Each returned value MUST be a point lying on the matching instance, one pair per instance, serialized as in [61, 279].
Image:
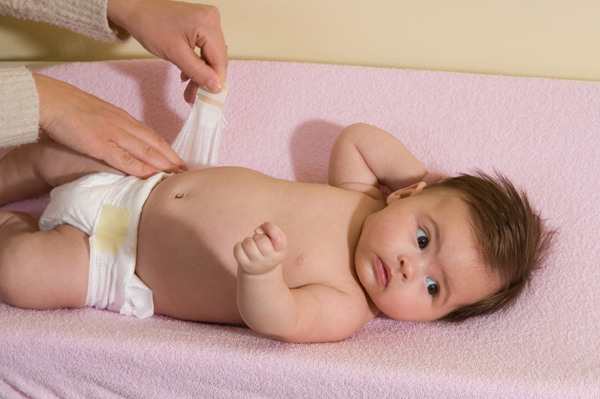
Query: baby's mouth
[382, 271]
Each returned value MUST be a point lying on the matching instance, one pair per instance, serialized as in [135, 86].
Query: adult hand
[96, 128]
[172, 30]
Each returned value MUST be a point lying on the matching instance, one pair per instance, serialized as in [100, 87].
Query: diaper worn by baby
[107, 207]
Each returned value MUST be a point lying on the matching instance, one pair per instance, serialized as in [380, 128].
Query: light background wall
[546, 38]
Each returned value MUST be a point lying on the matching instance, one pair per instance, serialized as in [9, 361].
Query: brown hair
[511, 236]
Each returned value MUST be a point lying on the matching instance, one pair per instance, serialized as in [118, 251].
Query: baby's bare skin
[295, 261]
[185, 240]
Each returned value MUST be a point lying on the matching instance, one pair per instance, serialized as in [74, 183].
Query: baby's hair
[510, 234]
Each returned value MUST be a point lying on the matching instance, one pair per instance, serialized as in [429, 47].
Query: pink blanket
[283, 117]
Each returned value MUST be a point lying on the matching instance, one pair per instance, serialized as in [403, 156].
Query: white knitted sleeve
[88, 17]
[19, 107]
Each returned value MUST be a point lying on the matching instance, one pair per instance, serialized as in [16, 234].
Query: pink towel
[283, 117]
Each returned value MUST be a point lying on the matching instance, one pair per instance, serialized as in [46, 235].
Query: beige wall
[548, 38]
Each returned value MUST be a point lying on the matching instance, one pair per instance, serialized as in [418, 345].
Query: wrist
[258, 273]
[120, 12]
[43, 85]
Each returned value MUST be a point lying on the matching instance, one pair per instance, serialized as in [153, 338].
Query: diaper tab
[199, 140]
[215, 99]
[111, 231]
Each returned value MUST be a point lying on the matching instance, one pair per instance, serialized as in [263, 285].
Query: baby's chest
[315, 259]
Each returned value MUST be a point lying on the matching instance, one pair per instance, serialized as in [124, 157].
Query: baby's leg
[34, 169]
[42, 269]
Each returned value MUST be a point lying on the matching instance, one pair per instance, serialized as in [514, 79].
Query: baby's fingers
[240, 255]
[276, 236]
[255, 255]
[255, 249]
[261, 252]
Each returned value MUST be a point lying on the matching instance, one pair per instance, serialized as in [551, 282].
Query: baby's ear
[406, 192]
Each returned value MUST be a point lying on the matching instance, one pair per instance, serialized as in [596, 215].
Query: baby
[318, 261]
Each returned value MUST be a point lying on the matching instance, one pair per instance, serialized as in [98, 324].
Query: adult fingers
[149, 147]
[118, 158]
[196, 69]
[151, 151]
[209, 70]
[214, 53]
[190, 92]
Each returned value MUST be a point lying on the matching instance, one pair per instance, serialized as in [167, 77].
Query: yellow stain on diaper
[112, 229]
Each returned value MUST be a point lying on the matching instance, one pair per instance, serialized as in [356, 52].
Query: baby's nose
[406, 269]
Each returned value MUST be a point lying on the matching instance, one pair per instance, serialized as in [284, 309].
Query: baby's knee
[17, 251]
[43, 269]
[13, 270]
[15, 229]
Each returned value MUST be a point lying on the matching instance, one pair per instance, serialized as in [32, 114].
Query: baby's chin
[411, 318]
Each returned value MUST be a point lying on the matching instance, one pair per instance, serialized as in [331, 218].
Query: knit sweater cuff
[88, 17]
[19, 107]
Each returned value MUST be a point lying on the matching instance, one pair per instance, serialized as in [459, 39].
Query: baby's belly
[192, 221]
[189, 266]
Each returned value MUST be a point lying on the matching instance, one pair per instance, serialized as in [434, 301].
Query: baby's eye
[432, 286]
[422, 238]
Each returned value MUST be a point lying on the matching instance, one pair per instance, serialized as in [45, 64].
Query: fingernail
[214, 86]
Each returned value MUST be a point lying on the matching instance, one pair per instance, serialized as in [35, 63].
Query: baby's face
[418, 259]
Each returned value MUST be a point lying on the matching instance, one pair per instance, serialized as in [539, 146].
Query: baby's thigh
[43, 269]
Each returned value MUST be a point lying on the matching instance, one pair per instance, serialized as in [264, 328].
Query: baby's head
[510, 235]
[459, 248]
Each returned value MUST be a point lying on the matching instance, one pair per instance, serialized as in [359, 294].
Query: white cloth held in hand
[198, 141]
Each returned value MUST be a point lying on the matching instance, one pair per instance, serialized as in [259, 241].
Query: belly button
[179, 195]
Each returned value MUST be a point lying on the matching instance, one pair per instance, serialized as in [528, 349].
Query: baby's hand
[262, 252]
[435, 177]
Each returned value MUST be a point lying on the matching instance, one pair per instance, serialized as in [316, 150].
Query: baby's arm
[365, 156]
[311, 313]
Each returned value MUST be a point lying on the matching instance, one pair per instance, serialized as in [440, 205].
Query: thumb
[278, 238]
[196, 69]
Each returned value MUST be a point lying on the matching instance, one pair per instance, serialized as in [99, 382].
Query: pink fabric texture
[283, 118]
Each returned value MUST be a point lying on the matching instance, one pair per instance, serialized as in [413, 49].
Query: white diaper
[107, 207]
